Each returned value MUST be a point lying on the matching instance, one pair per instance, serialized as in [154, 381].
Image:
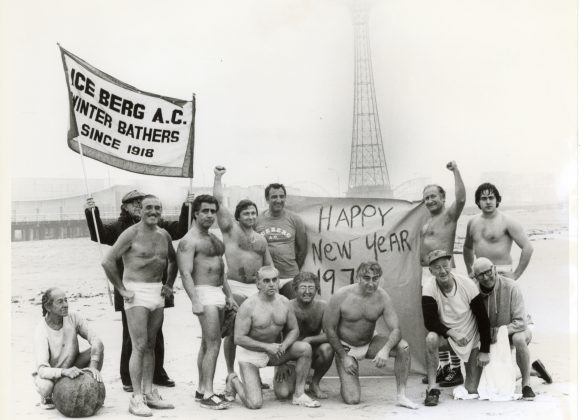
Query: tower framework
[368, 176]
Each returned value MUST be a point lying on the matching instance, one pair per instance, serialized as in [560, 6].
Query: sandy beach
[74, 265]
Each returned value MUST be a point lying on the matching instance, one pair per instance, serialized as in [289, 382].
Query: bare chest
[210, 246]
[355, 309]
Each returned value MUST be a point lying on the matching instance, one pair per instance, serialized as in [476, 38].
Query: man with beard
[108, 234]
[200, 260]
[439, 233]
[246, 251]
[309, 312]
[286, 236]
[349, 322]
[147, 252]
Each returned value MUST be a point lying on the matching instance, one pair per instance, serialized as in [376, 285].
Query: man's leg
[229, 346]
[402, 356]
[321, 362]
[302, 353]
[284, 388]
[211, 335]
[249, 388]
[521, 340]
[349, 384]
[83, 359]
[160, 376]
[154, 324]
[138, 323]
[432, 342]
[472, 372]
[126, 348]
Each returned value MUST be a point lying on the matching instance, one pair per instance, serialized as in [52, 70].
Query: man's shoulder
[466, 283]
[506, 283]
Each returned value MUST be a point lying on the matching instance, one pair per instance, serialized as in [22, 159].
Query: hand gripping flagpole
[93, 213]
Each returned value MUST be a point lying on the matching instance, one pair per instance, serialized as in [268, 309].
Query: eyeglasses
[484, 274]
[307, 288]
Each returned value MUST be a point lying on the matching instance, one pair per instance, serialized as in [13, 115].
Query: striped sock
[455, 361]
[443, 358]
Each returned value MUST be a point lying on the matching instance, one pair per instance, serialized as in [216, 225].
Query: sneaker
[528, 394]
[198, 396]
[542, 372]
[441, 374]
[138, 407]
[225, 397]
[154, 400]
[453, 378]
[128, 388]
[432, 397]
[46, 403]
[214, 402]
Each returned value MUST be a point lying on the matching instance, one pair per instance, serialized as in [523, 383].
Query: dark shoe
[542, 372]
[453, 378]
[265, 386]
[198, 396]
[528, 394]
[46, 403]
[441, 374]
[169, 383]
[224, 397]
[128, 388]
[432, 397]
[214, 403]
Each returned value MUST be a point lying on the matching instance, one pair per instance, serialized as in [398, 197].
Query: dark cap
[436, 255]
[132, 195]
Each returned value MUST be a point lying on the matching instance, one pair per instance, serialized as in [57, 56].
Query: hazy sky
[491, 84]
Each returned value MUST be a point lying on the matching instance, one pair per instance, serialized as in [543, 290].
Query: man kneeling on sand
[349, 322]
[259, 322]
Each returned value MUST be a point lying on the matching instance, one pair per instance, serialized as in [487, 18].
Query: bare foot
[317, 392]
[405, 402]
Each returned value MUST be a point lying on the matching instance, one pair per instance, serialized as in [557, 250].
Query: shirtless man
[246, 251]
[261, 319]
[439, 233]
[492, 233]
[349, 322]
[200, 262]
[146, 250]
[286, 235]
[309, 312]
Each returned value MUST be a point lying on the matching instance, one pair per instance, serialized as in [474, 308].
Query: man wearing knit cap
[455, 317]
[505, 306]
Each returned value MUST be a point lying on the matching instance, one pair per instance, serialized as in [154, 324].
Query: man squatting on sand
[349, 322]
[56, 346]
[286, 236]
[504, 304]
[309, 312]
[147, 251]
[439, 233]
[246, 251]
[260, 321]
[108, 233]
[491, 234]
[455, 317]
[201, 265]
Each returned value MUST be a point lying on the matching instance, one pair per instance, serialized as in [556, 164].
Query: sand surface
[73, 264]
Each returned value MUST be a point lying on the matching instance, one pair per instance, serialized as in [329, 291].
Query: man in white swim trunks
[261, 320]
[246, 251]
[200, 260]
[492, 233]
[349, 322]
[439, 233]
[455, 317]
[146, 250]
[286, 235]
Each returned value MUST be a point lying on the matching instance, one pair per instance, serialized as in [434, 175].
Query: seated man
[260, 321]
[56, 346]
[455, 317]
[309, 311]
[349, 322]
[505, 305]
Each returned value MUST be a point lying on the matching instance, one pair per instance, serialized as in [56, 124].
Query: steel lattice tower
[369, 176]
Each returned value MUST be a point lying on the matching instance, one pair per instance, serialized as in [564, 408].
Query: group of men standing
[272, 306]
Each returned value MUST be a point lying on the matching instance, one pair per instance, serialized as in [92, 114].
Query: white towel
[498, 379]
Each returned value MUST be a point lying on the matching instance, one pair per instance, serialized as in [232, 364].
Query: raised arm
[178, 229]
[468, 254]
[115, 253]
[108, 233]
[301, 241]
[516, 231]
[454, 211]
[224, 217]
[185, 261]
